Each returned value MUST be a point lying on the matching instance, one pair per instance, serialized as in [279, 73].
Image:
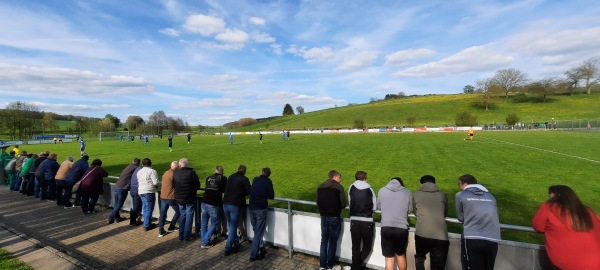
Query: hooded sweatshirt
[477, 209]
[430, 205]
[394, 202]
[362, 200]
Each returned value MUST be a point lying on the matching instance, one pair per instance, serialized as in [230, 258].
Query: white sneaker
[337, 267]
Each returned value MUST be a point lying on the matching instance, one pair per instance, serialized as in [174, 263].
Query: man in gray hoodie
[394, 202]
[363, 203]
[476, 209]
[430, 205]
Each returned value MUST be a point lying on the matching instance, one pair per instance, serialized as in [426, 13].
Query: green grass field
[517, 167]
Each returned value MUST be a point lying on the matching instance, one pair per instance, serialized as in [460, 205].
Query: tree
[115, 122]
[509, 79]
[299, 110]
[488, 90]
[48, 121]
[469, 89]
[465, 119]
[133, 121]
[359, 123]
[18, 118]
[287, 110]
[512, 119]
[587, 72]
[543, 87]
[246, 122]
[411, 120]
[158, 121]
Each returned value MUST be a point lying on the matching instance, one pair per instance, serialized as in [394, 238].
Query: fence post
[290, 230]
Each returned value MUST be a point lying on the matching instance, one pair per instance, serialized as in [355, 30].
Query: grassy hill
[439, 110]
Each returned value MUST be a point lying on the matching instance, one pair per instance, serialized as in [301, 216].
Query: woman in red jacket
[572, 230]
[92, 186]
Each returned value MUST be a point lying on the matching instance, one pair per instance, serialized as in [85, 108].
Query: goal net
[113, 136]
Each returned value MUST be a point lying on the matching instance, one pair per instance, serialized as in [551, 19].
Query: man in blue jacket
[261, 191]
[74, 175]
[46, 173]
[476, 209]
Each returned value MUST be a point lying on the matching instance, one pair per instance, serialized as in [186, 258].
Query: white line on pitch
[541, 149]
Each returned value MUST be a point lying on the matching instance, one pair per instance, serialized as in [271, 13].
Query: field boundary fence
[299, 232]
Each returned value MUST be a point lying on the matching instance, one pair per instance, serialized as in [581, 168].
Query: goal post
[113, 136]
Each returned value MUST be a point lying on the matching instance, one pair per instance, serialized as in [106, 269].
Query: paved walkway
[90, 243]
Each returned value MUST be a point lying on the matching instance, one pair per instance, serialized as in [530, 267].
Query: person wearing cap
[430, 205]
[64, 168]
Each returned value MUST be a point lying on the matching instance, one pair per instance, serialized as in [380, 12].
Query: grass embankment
[438, 110]
[8, 262]
[517, 167]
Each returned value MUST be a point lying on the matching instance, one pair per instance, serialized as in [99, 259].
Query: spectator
[45, 174]
[186, 185]
[167, 199]
[92, 186]
[73, 175]
[34, 185]
[136, 200]
[394, 202]
[10, 168]
[331, 199]
[121, 190]
[430, 205]
[261, 191]
[25, 176]
[572, 230]
[234, 201]
[19, 167]
[211, 204]
[64, 168]
[476, 209]
[363, 203]
[148, 181]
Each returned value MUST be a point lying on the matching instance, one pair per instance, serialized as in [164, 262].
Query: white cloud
[476, 58]
[283, 97]
[169, 32]
[276, 49]
[204, 25]
[233, 36]
[262, 37]
[257, 21]
[404, 56]
[216, 46]
[545, 42]
[52, 80]
[359, 61]
[209, 103]
[77, 108]
[312, 54]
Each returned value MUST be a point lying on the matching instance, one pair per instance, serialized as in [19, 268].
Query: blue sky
[212, 62]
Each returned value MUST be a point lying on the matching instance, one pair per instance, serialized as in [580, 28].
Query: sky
[212, 62]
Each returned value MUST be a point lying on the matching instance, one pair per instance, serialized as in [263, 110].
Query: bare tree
[587, 72]
[543, 87]
[300, 110]
[487, 90]
[158, 120]
[509, 79]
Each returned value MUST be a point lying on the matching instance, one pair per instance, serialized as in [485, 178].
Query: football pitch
[517, 167]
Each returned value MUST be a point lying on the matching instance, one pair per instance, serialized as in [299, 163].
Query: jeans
[232, 214]
[136, 208]
[60, 188]
[361, 232]
[15, 185]
[164, 207]
[148, 201]
[212, 212]
[66, 200]
[36, 187]
[330, 233]
[258, 219]
[437, 249]
[185, 221]
[120, 196]
[88, 202]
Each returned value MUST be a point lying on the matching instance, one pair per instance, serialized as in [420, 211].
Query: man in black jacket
[211, 204]
[234, 200]
[362, 228]
[331, 199]
[122, 189]
[186, 184]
